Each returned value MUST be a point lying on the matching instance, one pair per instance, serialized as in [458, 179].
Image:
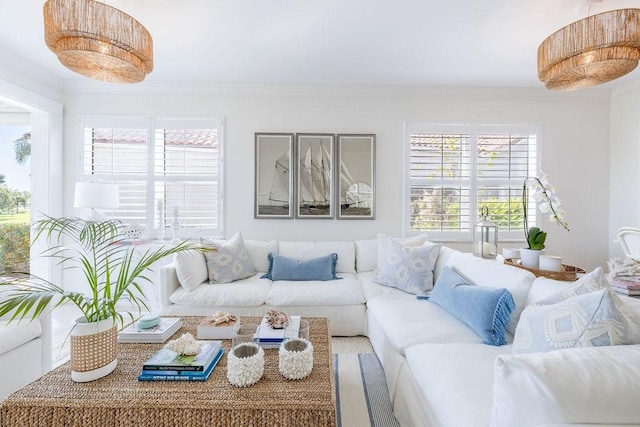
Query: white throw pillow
[191, 268]
[595, 385]
[383, 245]
[408, 268]
[585, 314]
[229, 262]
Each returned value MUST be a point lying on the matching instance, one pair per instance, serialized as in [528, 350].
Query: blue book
[173, 375]
[169, 360]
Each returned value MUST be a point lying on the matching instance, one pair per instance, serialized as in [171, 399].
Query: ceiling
[326, 42]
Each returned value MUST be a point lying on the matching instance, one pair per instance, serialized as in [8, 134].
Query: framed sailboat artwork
[355, 181]
[313, 165]
[273, 175]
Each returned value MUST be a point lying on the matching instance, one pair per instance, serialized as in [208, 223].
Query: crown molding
[18, 64]
[349, 90]
[626, 88]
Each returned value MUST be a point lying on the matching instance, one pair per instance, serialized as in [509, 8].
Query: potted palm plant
[544, 193]
[114, 273]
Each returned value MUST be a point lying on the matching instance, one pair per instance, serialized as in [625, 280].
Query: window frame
[473, 130]
[151, 177]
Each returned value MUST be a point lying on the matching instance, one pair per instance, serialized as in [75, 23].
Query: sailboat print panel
[356, 155]
[273, 175]
[313, 164]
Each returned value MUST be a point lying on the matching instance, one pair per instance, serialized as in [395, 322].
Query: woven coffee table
[119, 399]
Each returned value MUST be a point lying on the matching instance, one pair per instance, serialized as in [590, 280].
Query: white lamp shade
[97, 195]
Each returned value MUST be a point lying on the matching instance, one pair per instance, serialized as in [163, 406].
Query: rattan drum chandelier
[97, 40]
[592, 51]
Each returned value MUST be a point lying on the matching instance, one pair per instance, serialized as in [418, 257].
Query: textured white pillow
[191, 268]
[590, 282]
[383, 245]
[408, 268]
[594, 385]
[230, 261]
[585, 314]
[589, 320]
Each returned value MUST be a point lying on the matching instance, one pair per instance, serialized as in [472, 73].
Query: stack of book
[269, 337]
[157, 334]
[168, 365]
[627, 286]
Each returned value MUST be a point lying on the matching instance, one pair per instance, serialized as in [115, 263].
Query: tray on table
[569, 273]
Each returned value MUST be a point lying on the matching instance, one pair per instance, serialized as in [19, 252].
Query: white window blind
[456, 170]
[161, 166]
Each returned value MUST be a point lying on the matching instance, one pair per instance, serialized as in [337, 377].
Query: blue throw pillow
[485, 310]
[284, 268]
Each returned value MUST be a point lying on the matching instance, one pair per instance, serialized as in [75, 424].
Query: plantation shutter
[455, 170]
[162, 167]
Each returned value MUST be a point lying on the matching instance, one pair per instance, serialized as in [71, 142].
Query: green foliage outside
[14, 247]
[437, 212]
[11, 201]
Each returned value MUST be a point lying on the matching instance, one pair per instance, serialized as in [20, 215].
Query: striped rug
[361, 391]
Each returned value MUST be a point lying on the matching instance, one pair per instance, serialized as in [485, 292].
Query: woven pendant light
[97, 40]
[591, 51]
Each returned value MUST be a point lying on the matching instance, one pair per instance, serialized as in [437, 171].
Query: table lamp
[96, 196]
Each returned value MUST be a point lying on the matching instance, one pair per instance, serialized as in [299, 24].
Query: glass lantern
[485, 240]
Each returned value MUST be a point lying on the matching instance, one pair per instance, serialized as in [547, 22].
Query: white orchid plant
[548, 202]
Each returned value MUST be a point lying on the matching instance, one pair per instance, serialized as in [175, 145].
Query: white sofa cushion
[14, 334]
[249, 292]
[259, 250]
[366, 255]
[372, 289]
[594, 385]
[543, 288]
[191, 268]
[407, 321]
[494, 274]
[345, 291]
[307, 250]
[456, 379]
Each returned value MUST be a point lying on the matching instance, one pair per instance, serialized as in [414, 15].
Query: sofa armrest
[45, 336]
[594, 385]
[168, 284]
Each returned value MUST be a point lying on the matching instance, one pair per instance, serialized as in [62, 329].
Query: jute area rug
[361, 389]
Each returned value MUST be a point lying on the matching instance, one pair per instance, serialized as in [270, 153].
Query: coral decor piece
[277, 319]
[627, 269]
[220, 318]
[186, 345]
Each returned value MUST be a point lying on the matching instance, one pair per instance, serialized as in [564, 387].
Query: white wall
[45, 108]
[575, 132]
[624, 169]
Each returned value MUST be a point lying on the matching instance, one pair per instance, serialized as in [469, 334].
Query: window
[456, 170]
[162, 167]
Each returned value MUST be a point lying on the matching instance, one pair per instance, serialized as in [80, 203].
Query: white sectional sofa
[25, 352]
[438, 370]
